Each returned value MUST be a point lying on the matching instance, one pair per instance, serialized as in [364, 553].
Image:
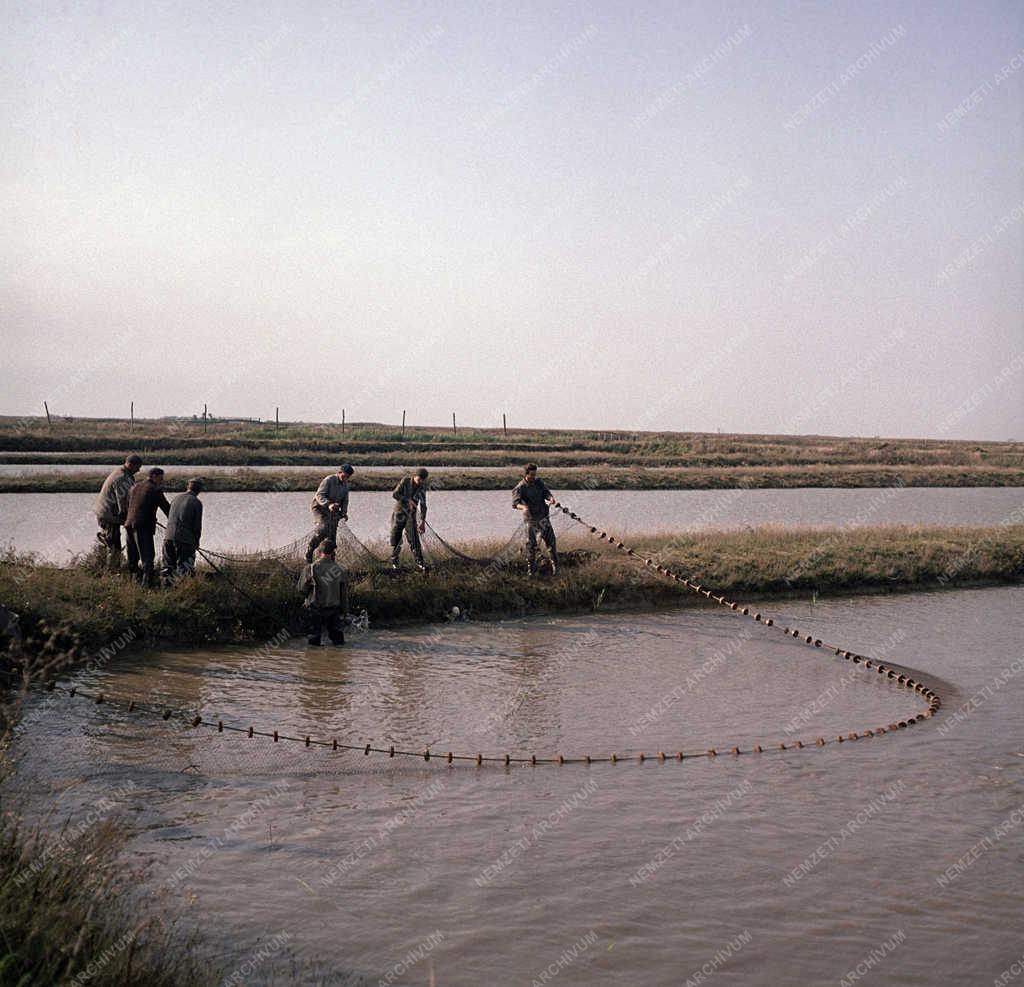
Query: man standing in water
[143, 501]
[112, 510]
[330, 505]
[184, 529]
[409, 493]
[532, 497]
[325, 585]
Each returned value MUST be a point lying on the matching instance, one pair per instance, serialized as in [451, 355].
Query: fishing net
[351, 552]
[356, 556]
[179, 712]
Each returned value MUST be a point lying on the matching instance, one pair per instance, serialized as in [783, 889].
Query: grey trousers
[405, 523]
[109, 536]
[324, 526]
[542, 527]
[178, 559]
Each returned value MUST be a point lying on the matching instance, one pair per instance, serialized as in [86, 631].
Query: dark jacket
[143, 501]
[185, 521]
[534, 495]
[408, 490]
[322, 582]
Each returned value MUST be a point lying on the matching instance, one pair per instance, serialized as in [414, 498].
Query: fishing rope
[220, 572]
[897, 678]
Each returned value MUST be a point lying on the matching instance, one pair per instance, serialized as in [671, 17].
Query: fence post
[132, 427]
[403, 424]
[277, 419]
[455, 431]
[504, 424]
[47, 407]
[204, 417]
[342, 421]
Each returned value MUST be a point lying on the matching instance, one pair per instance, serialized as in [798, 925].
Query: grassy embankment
[571, 459]
[766, 562]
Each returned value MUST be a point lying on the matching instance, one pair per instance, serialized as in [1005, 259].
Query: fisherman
[325, 585]
[143, 501]
[412, 490]
[531, 496]
[330, 505]
[184, 529]
[112, 510]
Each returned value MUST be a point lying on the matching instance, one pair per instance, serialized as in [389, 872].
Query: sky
[786, 217]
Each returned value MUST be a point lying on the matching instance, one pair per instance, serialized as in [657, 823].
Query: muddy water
[60, 525]
[763, 869]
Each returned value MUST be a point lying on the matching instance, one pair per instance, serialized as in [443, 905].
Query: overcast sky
[763, 217]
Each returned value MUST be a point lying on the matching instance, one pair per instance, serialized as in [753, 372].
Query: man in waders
[531, 496]
[184, 529]
[143, 501]
[325, 585]
[112, 511]
[409, 493]
[330, 505]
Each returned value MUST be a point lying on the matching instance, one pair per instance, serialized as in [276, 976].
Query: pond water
[59, 525]
[783, 868]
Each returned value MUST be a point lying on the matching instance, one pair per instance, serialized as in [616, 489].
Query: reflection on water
[656, 866]
[245, 521]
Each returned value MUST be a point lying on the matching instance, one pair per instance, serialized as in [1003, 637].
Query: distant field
[564, 478]
[634, 460]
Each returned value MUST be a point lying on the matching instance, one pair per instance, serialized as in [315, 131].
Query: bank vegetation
[83, 609]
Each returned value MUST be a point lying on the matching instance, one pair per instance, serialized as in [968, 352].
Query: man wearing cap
[330, 505]
[532, 497]
[184, 529]
[409, 493]
[143, 501]
[112, 510]
[325, 585]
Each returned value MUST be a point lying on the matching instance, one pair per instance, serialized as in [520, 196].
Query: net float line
[189, 719]
[898, 679]
[193, 720]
